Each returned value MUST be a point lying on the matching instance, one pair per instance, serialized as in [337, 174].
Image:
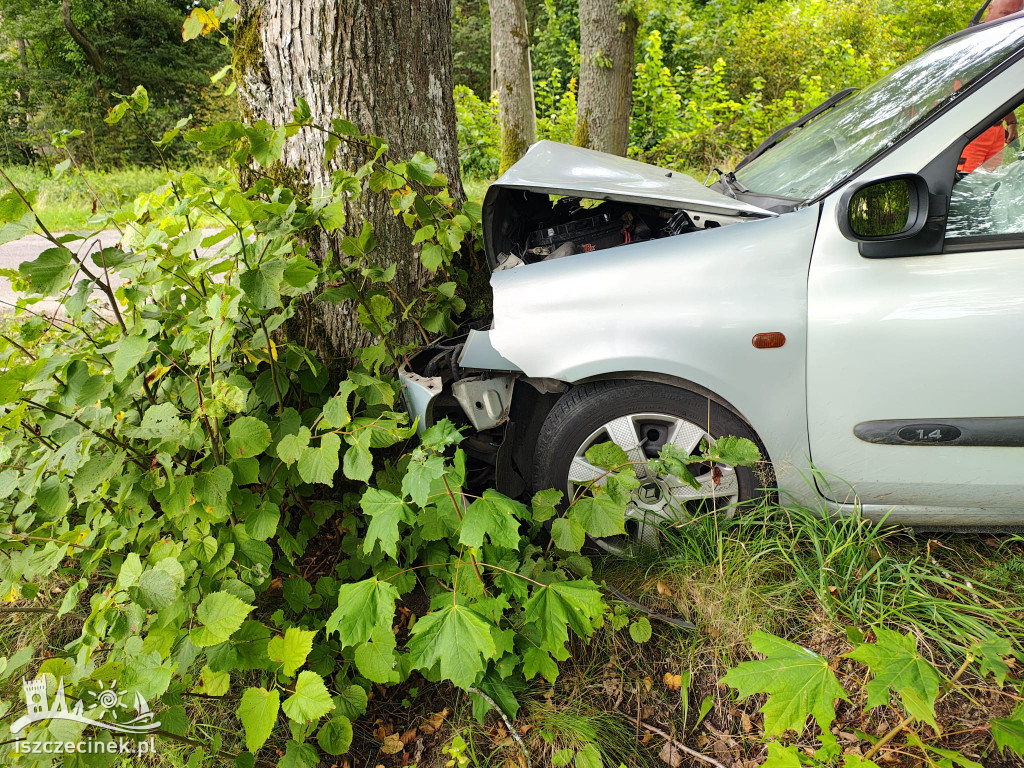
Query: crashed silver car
[850, 297]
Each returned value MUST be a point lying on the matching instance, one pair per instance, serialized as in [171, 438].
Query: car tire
[656, 413]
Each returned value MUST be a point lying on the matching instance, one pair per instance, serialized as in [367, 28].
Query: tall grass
[66, 203]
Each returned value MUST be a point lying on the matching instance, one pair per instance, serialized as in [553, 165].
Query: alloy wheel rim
[661, 500]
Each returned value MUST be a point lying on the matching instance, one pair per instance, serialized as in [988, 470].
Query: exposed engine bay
[538, 227]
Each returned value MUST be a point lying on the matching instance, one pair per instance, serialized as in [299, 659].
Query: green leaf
[262, 522]
[258, 713]
[537, 660]
[545, 504]
[1009, 732]
[386, 511]
[782, 756]
[568, 535]
[351, 702]
[640, 630]
[318, 464]
[291, 447]
[362, 606]
[734, 451]
[375, 659]
[15, 230]
[52, 496]
[423, 470]
[798, 683]
[456, 638]
[248, 436]
[607, 456]
[291, 649]
[897, 666]
[266, 142]
[496, 515]
[589, 757]
[336, 413]
[358, 461]
[311, 701]
[432, 256]
[129, 354]
[599, 515]
[335, 737]
[49, 274]
[577, 604]
[221, 614]
[991, 653]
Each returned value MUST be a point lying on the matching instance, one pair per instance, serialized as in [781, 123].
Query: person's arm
[1011, 127]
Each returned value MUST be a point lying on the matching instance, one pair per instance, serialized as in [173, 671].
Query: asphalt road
[27, 249]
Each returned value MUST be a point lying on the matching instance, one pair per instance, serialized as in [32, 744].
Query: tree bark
[510, 51]
[607, 50]
[384, 65]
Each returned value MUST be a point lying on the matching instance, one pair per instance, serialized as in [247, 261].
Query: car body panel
[918, 339]
[685, 307]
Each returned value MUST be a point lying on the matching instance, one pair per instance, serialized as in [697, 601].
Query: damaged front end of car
[558, 205]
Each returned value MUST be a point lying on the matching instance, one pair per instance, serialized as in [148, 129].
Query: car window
[813, 160]
[988, 194]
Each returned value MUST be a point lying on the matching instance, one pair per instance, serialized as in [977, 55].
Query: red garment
[989, 144]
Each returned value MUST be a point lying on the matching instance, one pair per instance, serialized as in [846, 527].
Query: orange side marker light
[772, 340]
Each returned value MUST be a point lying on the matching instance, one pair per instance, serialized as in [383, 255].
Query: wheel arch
[530, 406]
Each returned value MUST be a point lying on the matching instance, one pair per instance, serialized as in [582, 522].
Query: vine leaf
[798, 683]
[319, 463]
[311, 701]
[600, 515]
[376, 660]
[555, 607]
[291, 649]
[991, 654]
[221, 614]
[1009, 732]
[386, 511]
[335, 737]
[423, 470]
[248, 436]
[258, 713]
[897, 666]
[362, 606]
[497, 516]
[457, 638]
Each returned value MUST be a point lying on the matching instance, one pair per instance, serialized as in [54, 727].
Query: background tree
[607, 43]
[510, 49]
[61, 60]
[387, 67]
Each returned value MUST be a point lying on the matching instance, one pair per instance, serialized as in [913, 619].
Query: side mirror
[894, 208]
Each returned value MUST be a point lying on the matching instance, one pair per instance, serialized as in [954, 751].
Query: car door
[915, 372]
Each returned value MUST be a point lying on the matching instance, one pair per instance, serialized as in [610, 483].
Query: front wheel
[641, 417]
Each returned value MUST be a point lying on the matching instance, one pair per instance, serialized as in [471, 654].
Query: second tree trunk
[513, 80]
[607, 42]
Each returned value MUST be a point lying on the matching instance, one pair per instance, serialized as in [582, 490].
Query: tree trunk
[513, 79]
[384, 65]
[607, 49]
[91, 53]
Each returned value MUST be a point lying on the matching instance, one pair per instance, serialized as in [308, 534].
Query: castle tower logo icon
[107, 710]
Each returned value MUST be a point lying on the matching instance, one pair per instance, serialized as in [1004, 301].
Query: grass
[66, 203]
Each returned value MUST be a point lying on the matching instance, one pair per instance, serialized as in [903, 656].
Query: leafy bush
[175, 453]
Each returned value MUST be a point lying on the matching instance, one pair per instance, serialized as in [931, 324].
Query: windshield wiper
[800, 122]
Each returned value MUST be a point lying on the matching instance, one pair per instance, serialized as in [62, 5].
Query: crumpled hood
[562, 169]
